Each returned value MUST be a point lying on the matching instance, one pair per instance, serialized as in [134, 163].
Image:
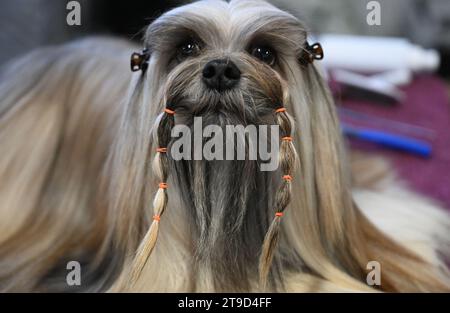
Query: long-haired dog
[86, 172]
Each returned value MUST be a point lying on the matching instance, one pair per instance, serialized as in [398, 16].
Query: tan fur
[76, 180]
[59, 114]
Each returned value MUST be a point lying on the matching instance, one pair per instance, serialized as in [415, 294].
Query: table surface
[426, 105]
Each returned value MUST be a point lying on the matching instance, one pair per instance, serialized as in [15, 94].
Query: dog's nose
[221, 75]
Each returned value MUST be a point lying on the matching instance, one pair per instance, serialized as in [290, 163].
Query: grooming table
[427, 105]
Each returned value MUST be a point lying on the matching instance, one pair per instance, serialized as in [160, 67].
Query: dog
[87, 174]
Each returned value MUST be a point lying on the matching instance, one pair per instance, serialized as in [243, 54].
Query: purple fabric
[427, 105]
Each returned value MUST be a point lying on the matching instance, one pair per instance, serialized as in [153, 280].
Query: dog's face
[227, 58]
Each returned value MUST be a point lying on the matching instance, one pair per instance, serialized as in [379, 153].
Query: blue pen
[397, 142]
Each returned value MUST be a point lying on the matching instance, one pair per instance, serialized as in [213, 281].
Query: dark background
[26, 24]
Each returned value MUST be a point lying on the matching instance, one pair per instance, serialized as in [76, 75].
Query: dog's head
[232, 63]
[228, 58]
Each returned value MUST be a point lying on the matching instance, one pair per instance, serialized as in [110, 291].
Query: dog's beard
[228, 200]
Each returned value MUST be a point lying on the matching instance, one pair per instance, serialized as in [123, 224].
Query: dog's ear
[311, 53]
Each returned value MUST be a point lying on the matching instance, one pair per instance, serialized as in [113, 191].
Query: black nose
[221, 75]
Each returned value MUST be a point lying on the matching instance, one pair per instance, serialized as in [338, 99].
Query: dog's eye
[265, 54]
[187, 49]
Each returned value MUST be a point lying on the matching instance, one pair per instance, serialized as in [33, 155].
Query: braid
[288, 157]
[160, 167]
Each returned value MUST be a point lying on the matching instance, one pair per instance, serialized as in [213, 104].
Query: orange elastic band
[287, 177]
[286, 138]
[168, 111]
[163, 185]
[279, 214]
[280, 110]
[157, 218]
[161, 150]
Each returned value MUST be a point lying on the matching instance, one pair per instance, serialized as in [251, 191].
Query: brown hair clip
[311, 53]
[139, 61]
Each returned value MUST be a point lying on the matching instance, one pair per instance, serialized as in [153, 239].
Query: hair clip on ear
[311, 53]
[139, 61]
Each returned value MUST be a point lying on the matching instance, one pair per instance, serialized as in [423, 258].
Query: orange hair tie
[287, 177]
[280, 110]
[169, 111]
[163, 185]
[157, 218]
[287, 138]
[161, 150]
[279, 214]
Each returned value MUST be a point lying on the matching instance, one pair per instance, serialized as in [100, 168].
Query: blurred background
[27, 24]
[390, 78]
